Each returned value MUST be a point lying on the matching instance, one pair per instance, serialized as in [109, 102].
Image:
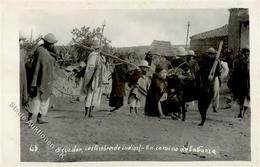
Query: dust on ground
[223, 132]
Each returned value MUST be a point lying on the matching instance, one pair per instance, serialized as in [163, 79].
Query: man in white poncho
[92, 80]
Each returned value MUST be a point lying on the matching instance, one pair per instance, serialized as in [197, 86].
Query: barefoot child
[139, 90]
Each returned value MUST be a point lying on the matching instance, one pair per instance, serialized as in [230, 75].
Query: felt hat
[191, 53]
[212, 51]
[181, 51]
[50, 38]
[144, 63]
[95, 44]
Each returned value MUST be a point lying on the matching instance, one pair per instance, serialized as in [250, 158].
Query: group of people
[194, 76]
[152, 93]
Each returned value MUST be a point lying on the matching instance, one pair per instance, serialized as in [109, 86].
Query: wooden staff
[106, 55]
[213, 69]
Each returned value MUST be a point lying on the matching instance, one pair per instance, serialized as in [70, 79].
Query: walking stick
[107, 55]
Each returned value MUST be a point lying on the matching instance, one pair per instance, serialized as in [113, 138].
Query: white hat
[191, 53]
[181, 51]
[82, 64]
[144, 63]
[211, 50]
[50, 38]
[96, 44]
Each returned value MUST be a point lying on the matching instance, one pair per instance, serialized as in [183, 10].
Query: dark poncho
[239, 82]
[118, 85]
[154, 94]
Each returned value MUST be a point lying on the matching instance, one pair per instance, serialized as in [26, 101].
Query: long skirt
[115, 101]
[171, 105]
[93, 98]
[93, 94]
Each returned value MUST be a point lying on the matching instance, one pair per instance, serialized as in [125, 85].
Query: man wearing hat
[42, 78]
[239, 82]
[92, 80]
[213, 88]
[139, 90]
[181, 52]
[178, 62]
[192, 62]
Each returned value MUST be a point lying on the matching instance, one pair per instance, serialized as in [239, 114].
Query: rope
[177, 68]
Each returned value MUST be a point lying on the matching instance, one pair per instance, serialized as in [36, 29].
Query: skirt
[116, 101]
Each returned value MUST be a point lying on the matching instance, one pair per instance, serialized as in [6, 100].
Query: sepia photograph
[133, 84]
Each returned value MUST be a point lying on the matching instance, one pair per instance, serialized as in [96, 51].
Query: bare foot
[162, 117]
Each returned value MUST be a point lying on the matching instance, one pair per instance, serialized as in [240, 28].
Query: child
[138, 91]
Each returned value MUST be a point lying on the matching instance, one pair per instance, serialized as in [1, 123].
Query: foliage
[85, 36]
[29, 46]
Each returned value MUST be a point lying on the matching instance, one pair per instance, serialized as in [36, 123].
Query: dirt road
[138, 138]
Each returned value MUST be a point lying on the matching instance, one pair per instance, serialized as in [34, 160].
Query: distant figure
[118, 84]
[228, 57]
[224, 70]
[193, 64]
[138, 92]
[42, 78]
[92, 81]
[239, 82]
[148, 58]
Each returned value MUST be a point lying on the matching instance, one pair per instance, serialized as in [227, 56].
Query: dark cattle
[188, 89]
[184, 89]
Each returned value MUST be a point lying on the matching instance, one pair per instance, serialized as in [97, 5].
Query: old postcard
[154, 83]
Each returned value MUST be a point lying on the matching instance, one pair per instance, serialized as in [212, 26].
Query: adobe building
[235, 34]
[238, 34]
[160, 52]
[202, 41]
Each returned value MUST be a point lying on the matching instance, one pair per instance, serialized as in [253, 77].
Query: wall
[244, 37]
[202, 45]
[236, 18]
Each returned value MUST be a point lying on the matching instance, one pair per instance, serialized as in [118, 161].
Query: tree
[85, 36]
[29, 46]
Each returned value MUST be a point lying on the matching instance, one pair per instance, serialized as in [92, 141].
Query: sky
[128, 27]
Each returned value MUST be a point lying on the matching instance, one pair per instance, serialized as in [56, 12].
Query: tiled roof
[219, 32]
[162, 48]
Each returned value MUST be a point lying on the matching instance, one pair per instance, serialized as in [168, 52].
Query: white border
[10, 126]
